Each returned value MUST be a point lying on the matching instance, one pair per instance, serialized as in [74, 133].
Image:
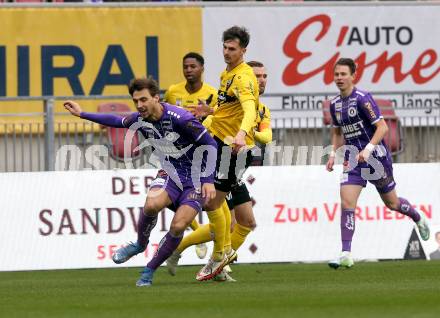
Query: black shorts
[226, 178]
[239, 194]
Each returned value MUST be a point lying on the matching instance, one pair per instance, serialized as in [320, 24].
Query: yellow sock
[239, 235]
[201, 235]
[217, 226]
[194, 225]
[227, 214]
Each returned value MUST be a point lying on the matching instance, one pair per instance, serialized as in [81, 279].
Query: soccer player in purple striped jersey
[181, 142]
[358, 124]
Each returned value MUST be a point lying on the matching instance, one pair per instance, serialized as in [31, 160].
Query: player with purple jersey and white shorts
[359, 129]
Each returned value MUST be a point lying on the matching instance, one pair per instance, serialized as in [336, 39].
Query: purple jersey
[174, 137]
[356, 115]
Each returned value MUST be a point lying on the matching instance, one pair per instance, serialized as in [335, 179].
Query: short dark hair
[347, 62]
[255, 64]
[194, 55]
[138, 84]
[236, 32]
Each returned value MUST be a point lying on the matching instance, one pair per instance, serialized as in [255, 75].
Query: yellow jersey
[236, 87]
[179, 96]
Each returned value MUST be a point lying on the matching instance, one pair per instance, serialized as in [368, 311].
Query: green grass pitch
[380, 289]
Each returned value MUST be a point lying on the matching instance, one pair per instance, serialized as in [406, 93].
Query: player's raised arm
[110, 120]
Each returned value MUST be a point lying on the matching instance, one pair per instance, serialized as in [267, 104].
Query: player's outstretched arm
[110, 120]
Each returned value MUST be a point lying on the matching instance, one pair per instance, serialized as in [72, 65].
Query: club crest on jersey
[178, 102]
[352, 111]
[221, 96]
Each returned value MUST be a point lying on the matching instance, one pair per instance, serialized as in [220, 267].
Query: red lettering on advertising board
[286, 214]
[421, 71]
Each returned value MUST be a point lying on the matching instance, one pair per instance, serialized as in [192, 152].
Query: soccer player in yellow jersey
[187, 94]
[232, 125]
[239, 198]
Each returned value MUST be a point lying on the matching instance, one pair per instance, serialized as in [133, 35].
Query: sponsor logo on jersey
[352, 130]
[368, 106]
[338, 106]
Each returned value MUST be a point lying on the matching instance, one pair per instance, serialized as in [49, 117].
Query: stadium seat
[116, 136]
[327, 118]
[394, 138]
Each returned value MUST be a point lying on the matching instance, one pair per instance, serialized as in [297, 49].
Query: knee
[178, 227]
[252, 224]
[248, 222]
[151, 208]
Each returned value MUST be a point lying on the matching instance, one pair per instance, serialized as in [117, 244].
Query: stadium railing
[50, 140]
